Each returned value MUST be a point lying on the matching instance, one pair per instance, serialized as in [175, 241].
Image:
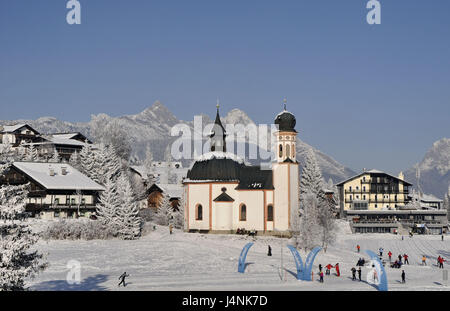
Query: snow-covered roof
[65, 135]
[430, 198]
[173, 190]
[219, 155]
[73, 180]
[373, 171]
[60, 141]
[13, 128]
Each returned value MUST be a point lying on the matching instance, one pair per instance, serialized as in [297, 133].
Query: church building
[223, 193]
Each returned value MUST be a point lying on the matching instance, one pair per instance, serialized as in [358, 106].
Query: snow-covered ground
[188, 261]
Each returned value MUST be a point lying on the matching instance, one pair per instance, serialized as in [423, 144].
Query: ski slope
[190, 261]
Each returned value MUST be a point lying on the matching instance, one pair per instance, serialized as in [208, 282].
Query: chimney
[401, 176]
[63, 170]
[51, 171]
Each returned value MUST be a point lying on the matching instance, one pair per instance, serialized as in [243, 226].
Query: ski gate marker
[304, 270]
[383, 285]
[243, 256]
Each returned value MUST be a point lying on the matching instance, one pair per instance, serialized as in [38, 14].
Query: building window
[243, 212]
[350, 188]
[199, 212]
[364, 188]
[357, 188]
[56, 214]
[351, 197]
[72, 201]
[288, 150]
[56, 201]
[281, 151]
[293, 152]
[270, 213]
[364, 197]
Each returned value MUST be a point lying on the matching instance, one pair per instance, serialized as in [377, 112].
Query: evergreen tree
[108, 205]
[311, 179]
[55, 158]
[178, 216]
[129, 222]
[17, 261]
[309, 228]
[164, 212]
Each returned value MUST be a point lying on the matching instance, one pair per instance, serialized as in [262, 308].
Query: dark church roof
[223, 168]
[286, 121]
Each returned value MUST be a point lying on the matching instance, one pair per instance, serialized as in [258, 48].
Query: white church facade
[223, 193]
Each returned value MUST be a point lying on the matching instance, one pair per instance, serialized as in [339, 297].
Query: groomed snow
[191, 261]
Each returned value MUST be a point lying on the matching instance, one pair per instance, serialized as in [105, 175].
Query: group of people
[354, 273]
[440, 261]
[328, 271]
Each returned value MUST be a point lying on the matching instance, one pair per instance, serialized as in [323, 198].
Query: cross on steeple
[284, 102]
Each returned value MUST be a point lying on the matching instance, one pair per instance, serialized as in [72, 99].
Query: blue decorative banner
[242, 257]
[383, 284]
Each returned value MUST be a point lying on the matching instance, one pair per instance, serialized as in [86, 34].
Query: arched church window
[293, 152]
[270, 212]
[288, 150]
[243, 212]
[199, 212]
[281, 151]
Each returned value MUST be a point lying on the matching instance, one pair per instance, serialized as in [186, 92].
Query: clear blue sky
[369, 96]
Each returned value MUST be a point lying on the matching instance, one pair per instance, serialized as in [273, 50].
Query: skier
[441, 262]
[403, 276]
[424, 260]
[402, 237]
[269, 252]
[438, 261]
[170, 228]
[400, 258]
[338, 273]
[321, 277]
[442, 237]
[122, 279]
[406, 259]
[359, 273]
[329, 266]
[381, 251]
[320, 268]
[358, 248]
[353, 274]
[390, 255]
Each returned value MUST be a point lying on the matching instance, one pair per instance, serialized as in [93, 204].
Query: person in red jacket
[390, 255]
[329, 266]
[406, 259]
[337, 269]
[358, 248]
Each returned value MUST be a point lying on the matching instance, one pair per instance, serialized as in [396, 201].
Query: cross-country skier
[403, 276]
[269, 251]
[400, 258]
[122, 279]
[320, 268]
[321, 276]
[358, 248]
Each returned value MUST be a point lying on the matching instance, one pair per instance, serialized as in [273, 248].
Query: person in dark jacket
[320, 268]
[403, 276]
[353, 274]
[122, 279]
[359, 273]
[269, 251]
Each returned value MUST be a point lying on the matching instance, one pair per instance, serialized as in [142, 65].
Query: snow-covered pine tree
[6, 157]
[164, 212]
[178, 215]
[109, 202]
[311, 180]
[128, 220]
[17, 261]
[74, 161]
[327, 222]
[87, 160]
[55, 158]
[32, 154]
[309, 229]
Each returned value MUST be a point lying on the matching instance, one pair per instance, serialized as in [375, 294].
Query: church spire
[284, 103]
[218, 133]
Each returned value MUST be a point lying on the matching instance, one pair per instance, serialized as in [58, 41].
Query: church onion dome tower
[285, 120]
[286, 136]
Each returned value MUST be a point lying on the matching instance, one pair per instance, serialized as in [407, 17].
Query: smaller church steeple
[218, 133]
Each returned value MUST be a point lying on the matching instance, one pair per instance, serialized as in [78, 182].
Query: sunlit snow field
[191, 261]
